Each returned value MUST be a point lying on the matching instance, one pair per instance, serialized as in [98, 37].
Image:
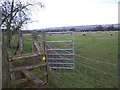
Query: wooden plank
[20, 81]
[28, 67]
[12, 74]
[32, 77]
[20, 41]
[36, 46]
[23, 56]
[34, 33]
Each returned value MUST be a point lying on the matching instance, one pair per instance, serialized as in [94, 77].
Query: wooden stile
[38, 50]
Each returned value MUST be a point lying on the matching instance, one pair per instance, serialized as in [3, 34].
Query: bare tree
[15, 14]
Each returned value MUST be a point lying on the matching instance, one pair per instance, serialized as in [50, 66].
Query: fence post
[43, 42]
[44, 51]
[20, 41]
[5, 67]
[33, 41]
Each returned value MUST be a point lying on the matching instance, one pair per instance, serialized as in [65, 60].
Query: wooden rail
[28, 67]
[24, 56]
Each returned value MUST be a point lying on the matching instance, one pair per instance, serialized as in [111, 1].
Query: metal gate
[60, 53]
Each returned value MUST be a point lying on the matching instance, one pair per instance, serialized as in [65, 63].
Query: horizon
[71, 26]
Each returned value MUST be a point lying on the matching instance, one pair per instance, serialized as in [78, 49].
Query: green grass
[100, 46]
[27, 43]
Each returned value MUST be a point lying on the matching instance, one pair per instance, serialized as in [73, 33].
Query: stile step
[32, 77]
[17, 82]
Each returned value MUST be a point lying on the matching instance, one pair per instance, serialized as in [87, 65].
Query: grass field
[100, 46]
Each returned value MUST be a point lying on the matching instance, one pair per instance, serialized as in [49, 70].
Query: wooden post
[33, 41]
[42, 50]
[45, 52]
[20, 41]
[5, 68]
[1, 66]
[12, 74]
[0, 56]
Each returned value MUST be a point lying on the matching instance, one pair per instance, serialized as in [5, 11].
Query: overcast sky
[59, 13]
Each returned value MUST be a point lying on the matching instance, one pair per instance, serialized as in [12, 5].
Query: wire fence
[88, 72]
[97, 76]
